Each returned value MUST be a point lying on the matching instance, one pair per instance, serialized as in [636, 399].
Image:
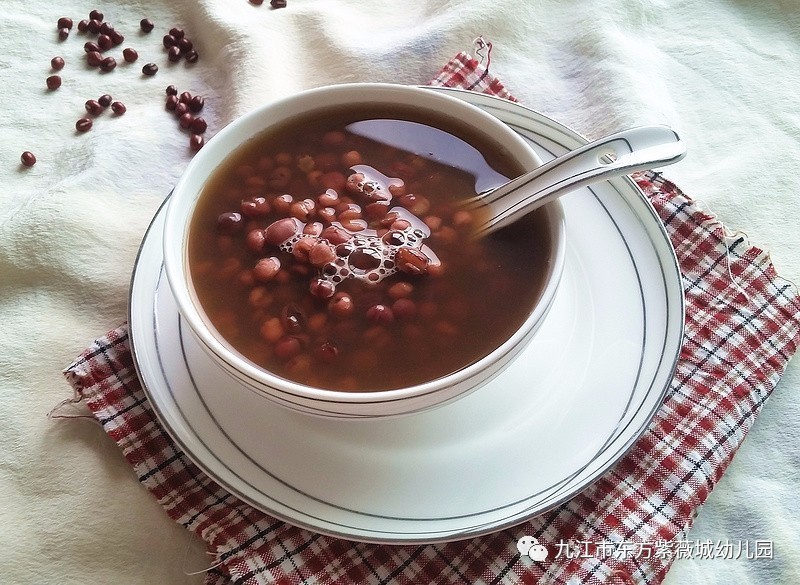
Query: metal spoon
[622, 153]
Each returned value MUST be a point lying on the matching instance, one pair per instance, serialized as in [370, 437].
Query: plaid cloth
[742, 326]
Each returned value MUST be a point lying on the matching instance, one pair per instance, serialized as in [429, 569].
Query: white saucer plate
[561, 415]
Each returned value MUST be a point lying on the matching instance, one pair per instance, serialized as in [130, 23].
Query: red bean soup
[332, 250]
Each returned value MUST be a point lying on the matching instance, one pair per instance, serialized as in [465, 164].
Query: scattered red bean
[63, 33]
[171, 102]
[180, 109]
[116, 38]
[57, 63]
[169, 41]
[94, 26]
[172, 90]
[94, 107]
[278, 3]
[174, 54]
[186, 120]
[184, 44]
[146, 25]
[83, 125]
[53, 82]
[196, 142]
[185, 97]
[199, 125]
[118, 108]
[108, 64]
[196, 104]
[28, 159]
[96, 15]
[192, 56]
[105, 100]
[130, 55]
[94, 58]
[83, 26]
[104, 42]
[257, 2]
[150, 69]
[91, 47]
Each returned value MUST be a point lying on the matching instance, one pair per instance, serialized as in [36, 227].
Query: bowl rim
[178, 217]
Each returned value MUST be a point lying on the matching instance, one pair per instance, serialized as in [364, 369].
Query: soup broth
[332, 251]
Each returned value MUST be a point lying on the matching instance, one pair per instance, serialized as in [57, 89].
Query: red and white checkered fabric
[739, 337]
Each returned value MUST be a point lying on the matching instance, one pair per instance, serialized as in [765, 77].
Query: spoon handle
[622, 153]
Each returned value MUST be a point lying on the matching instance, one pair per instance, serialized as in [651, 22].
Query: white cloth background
[724, 73]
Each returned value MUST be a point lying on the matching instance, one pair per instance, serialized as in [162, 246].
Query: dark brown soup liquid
[331, 250]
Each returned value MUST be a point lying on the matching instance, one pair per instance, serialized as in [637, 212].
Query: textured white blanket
[724, 73]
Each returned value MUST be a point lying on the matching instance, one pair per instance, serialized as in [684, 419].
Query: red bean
[130, 55]
[196, 142]
[313, 228]
[400, 290]
[326, 351]
[279, 177]
[94, 58]
[171, 102]
[199, 126]
[108, 64]
[280, 231]
[255, 206]
[293, 318]
[322, 288]
[287, 347]
[411, 261]
[255, 240]
[53, 82]
[118, 108]
[404, 308]
[380, 314]
[28, 159]
[104, 42]
[321, 254]
[329, 198]
[272, 330]
[229, 223]
[93, 107]
[266, 269]
[341, 306]
[302, 248]
[57, 63]
[83, 125]
[105, 100]
[146, 25]
[196, 104]
[150, 69]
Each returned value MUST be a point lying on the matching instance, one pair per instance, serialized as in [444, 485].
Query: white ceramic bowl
[326, 402]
